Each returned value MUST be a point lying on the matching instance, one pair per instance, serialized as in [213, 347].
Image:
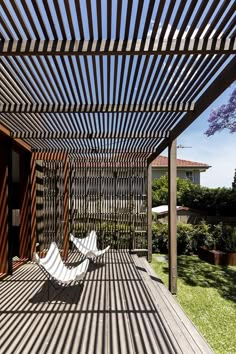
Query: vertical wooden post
[172, 217]
[66, 206]
[149, 211]
[3, 204]
[10, 196]
[33, 204]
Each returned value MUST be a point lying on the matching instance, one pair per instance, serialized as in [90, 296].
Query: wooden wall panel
[49, 156]
[107, 196]
[111, 198]
[24, 233]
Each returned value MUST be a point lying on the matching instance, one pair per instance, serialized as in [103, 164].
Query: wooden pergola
[117, 80]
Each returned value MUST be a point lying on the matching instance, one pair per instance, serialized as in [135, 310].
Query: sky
[218, 151]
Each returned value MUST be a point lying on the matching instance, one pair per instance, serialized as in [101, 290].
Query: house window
[189, 175]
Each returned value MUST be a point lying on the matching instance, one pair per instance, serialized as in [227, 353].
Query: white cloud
[176, 33]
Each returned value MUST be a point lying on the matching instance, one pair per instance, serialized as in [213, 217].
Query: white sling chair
[53, 265]
[88, 245]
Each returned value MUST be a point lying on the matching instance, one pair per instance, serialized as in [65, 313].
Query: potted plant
[220, 249]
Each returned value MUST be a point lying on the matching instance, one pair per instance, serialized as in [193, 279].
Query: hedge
[191, 237]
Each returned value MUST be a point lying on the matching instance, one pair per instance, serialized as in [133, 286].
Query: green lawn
[207, 294]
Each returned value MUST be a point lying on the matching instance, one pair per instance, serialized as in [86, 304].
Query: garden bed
[217, 257]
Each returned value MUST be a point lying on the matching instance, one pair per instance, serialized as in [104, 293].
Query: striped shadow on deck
[121, 308]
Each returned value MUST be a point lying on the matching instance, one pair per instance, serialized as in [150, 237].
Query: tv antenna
[183, 147]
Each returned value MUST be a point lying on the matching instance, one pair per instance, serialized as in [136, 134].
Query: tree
[160, 190]
[234, 182]
[214, 201]
[223, 117]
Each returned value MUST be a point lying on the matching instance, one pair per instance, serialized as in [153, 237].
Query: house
[184, 214]
[185, 168]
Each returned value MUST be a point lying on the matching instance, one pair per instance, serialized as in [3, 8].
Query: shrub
[185, 238]
[227, 240]
[213, 201]
[202, 236]
[160, 237]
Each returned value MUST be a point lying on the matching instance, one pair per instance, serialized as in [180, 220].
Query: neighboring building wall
[158, 172]
[193, 175]
[185, 215]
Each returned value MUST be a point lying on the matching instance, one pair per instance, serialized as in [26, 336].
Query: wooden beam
[50, 155]
[90, 150]
[96, 108]
[51, 135]
[172, 218]
[221, 83]
[8, 133]
[23, 144]
[149, 211]
[147, 46]
[4, 130]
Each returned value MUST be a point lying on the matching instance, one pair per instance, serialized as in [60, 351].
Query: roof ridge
[162, 160]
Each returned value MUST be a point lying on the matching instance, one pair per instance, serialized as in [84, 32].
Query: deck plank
[120, 308]
[119, 338]
[182, 328]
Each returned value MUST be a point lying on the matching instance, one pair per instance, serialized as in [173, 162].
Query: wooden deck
[122, 307]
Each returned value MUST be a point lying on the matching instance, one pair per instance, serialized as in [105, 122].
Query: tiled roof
[162, 161]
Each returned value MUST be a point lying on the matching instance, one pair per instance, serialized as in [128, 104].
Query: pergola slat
[167, 45]
[224, 79]
[11, 20]
[41, 21]
[50, 19]
[228, 20]
[84, 70]
[207, 17]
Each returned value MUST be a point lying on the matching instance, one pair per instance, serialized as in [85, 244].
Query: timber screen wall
[104, 195]
[49, 203]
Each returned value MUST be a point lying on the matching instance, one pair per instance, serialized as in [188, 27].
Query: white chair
[53, 265]
[88, 245]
